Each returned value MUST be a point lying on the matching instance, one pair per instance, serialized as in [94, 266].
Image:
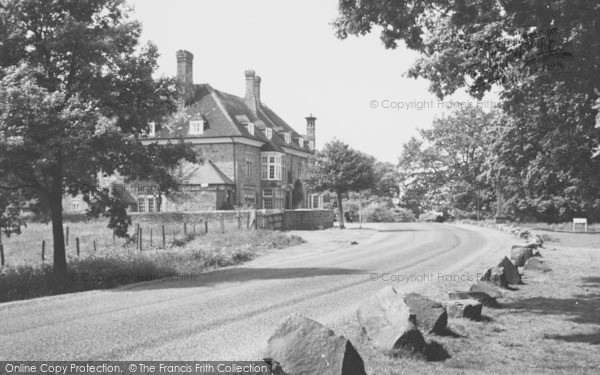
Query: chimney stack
[310, 128]
[185, 67]
[252, 97]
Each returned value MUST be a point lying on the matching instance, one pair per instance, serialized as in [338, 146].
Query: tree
[76, 94]
[542, 54]
[386, 180]
[443, 166]
[339, 169]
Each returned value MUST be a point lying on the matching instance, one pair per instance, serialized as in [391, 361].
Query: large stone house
[252, 157]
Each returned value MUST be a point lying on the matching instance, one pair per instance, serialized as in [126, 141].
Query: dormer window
[301, 142]
[152, 129]
[269, 133]
[311, 145]
[288, 138]
[250, 127]
[197, 127]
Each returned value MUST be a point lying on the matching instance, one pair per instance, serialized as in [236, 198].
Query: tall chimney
[257, 80]
[310, 128]
[251, 98]
[185, 67]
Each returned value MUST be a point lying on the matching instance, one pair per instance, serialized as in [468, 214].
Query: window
[271, 167]
[269, 133]
[141, 204]
[301, 142]
[197, 127]
[273, 198]
[250, 128]
[268, 199]
[147, 204]
[249, 165]
[152, 129]
[249, 196]
[288, 138]
[315, 201]
[311, 145]
[284, 170]
[75, 206]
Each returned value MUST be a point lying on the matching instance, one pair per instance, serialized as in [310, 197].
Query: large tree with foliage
[339, 169]
[544, 55]
[442, 168]
[76, 92]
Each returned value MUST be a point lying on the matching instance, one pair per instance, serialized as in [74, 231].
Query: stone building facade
[252, 157]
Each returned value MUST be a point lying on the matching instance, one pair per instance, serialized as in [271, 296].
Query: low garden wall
[307, 219]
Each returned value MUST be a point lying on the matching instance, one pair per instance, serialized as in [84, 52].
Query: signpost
[580, 221]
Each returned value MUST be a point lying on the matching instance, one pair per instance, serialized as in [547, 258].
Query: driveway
[229, 314]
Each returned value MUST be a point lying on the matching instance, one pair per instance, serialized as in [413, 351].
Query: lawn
[551, 324]
[117, 263]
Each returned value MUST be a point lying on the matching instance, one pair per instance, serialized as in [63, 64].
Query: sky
[355, 87]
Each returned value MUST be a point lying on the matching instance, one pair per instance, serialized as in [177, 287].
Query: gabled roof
[226, 115]
[203, 174]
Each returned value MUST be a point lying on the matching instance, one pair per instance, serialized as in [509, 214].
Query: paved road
[229, 314]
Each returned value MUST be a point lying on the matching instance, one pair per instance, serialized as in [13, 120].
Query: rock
[353, 243]
[465, 308]
[520, 254]
[490, 290]
[534, 264]
[535, 240]
[495, 276]
[524, 234]
[302, 346]
[482, 297]
[431, 315]
[389, 324]
[511, 272]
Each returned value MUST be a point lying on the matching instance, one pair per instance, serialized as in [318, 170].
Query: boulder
[389, 324]
[302, 346]
[495, 276]
[524, 234]
[534, 264]
[520, 254]
[483, 287]
[535, 240]
[482, 297]
[431, 315]
[465, 308]
[511, 272]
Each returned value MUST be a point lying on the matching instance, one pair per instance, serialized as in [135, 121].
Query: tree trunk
[340, 210]
[56, 212]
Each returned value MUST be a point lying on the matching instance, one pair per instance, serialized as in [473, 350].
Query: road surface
[229, 314]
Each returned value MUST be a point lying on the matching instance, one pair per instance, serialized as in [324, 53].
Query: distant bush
[432, 216]
[105, 270]
[382, 212]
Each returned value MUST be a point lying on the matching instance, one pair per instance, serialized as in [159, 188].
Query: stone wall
[307, 219]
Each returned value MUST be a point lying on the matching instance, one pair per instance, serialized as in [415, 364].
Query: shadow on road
[242, 274]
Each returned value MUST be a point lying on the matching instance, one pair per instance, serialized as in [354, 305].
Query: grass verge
[117, 266]
[548, 325]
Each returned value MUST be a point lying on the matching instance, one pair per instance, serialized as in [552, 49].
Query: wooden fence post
[77, 245]
[206, 226]
[163, 236]
[43, 250]
[184, 229]
[67, 236]
[1, 255]
[140, 239]
[222, 224]
[95, 249]
[151, 236]
[239, 220]
[173, 233]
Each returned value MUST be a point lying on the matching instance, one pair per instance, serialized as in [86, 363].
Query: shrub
[382, 212]
[432, 216]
